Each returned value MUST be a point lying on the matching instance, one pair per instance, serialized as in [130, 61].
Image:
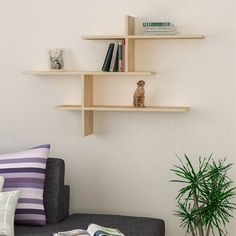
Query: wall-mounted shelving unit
[86, 107]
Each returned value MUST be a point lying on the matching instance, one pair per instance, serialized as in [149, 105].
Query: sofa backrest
[54, 191]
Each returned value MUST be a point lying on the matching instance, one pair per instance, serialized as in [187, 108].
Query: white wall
[124, 167]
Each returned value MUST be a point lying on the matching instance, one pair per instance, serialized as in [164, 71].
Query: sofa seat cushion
[130, 226]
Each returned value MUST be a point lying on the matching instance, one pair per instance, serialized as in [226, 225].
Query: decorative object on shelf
[139, 94]
[205, 203]
[159, 28]
[56, 57]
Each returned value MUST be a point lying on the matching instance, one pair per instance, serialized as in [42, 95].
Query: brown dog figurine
[139, 94]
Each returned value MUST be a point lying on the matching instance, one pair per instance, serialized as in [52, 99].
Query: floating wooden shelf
[113, 37]
[103, 37]
[177, 36]
[97, 73]
[124, 108]
[69, 107]
[87, 108]
[135, 109]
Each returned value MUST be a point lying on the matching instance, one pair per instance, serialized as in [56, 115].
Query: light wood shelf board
[97, 73]
[104, 37]
[125, 108]
[144, 36]
[178, 36]
[69, 107]
[134, 109]
[119, 73]
[48, 72]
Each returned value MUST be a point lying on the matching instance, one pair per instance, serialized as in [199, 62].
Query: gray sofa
[56, 201]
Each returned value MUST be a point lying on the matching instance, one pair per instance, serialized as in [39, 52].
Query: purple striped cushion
[25, 171]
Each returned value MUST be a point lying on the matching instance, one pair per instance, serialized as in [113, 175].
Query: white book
[100, 231]
[113, 59]
[120, 56]
[160, 32]
[159, 28]
[75, 232]
[92, 230]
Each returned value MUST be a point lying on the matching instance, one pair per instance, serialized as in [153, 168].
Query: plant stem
[192, 230]
[195, 199]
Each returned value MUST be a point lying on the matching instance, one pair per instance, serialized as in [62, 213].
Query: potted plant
[205, 202]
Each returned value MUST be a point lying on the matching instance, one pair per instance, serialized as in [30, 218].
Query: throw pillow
[1, 183]
[25, 171]
[8, 201]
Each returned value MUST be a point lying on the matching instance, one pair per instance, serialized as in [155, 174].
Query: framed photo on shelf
[56, 58]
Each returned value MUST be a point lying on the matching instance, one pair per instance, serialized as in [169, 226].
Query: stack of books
[159, 28]
[115, 57]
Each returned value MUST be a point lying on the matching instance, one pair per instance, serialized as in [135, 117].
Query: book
[75, 232]
[120, 56]
[156, 24]
[107, 61]
[92, 230]
[160, 32]
[116, 65]
[123, 55]
[114, 58]
[159, 28]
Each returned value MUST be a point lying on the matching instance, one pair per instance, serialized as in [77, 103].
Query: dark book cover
[107, 61]
[116, 65]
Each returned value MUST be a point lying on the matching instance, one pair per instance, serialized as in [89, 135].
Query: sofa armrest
[56, 194]
[57, 208]
[66, 203]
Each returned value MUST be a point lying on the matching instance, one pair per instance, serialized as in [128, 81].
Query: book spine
[116, 65]
[107, 61]
[120, 56]
[113, 59]
[123, 55]
[159, 28]
[161, 33]
[145, 24]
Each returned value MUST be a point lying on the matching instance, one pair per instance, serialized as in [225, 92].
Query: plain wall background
[124, 167]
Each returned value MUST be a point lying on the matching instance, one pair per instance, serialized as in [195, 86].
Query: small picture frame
[56, 58]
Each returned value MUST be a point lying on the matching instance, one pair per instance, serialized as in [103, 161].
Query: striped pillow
[25, 171]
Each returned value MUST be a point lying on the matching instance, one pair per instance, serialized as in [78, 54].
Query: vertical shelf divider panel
[129, 44]
[87, 101]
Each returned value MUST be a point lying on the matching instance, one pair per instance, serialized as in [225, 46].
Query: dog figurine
[139, 94]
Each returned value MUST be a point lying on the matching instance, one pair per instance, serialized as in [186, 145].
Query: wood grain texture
[69, 107]
[177, 36]
[97, 73]
[104, 37]
[125, 108]
[130, 55]
[143, 36]
[87, 90]
[129, 25]
[87, 123]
